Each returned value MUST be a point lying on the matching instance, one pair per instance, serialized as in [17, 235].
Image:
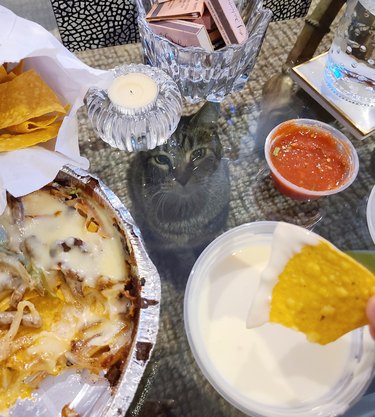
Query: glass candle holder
[201, 74]
[139, 111]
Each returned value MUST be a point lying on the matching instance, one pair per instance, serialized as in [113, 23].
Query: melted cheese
[59, 222]
[51, 230]
[4, 280]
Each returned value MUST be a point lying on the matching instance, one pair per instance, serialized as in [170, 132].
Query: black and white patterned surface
[87, 24]
[287, 9]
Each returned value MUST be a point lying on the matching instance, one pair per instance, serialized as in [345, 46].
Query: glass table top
[210, 177]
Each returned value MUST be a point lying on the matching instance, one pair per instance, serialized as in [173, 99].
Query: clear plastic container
[211, 284]
[370, 213]
[343, 145]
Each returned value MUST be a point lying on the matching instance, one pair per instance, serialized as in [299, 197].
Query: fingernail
[370, 309]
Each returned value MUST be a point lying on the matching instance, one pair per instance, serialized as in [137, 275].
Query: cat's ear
[184, 121]
[208, 114]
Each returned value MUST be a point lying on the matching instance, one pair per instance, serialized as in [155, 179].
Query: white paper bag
[27, 170]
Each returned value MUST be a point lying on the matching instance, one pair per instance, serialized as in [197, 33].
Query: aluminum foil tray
[93, 396]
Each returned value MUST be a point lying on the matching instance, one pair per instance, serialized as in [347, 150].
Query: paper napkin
[26, 170]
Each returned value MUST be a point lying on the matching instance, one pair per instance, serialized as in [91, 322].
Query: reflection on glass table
[253, 197]
[211, 177]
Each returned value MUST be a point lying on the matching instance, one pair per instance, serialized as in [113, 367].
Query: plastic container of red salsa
[309, 159]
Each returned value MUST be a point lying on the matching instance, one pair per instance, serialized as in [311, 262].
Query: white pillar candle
[133, 90]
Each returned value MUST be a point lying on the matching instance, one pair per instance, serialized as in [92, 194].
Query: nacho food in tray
[311, 286]
[30, 111]
[69, 296]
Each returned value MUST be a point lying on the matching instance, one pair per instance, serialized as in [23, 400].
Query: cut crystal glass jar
[203, 75]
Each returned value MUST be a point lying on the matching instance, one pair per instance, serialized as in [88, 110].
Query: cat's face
[191, 153]
[180, 191]
[177, 175]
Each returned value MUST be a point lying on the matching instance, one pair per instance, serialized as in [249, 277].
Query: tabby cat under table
[180, 191]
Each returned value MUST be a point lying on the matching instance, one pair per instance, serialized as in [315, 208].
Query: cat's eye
[198, 154]
[162, 159]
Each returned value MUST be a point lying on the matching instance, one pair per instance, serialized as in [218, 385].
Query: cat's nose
[182, 175]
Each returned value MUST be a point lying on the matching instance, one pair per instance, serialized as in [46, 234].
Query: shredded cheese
[83, 317]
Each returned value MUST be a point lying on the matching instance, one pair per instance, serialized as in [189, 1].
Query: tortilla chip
[322, 292]
[10, 77]
[29, 109]
[18, 69]
[9, 142]
[3, 73]
[25, 97]
[33, 124]
[4, 76]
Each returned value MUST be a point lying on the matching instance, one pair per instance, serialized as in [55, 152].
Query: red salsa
[308, 157]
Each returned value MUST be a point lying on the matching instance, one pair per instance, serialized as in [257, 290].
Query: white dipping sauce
[270, 364]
